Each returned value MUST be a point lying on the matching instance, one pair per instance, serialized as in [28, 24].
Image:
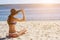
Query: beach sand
[36, 30]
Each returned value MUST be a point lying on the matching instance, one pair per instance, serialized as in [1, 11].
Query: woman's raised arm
[23, 12]
[18, 11]
[23, 19]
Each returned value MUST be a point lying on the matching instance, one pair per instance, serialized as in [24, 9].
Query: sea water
[31, 12]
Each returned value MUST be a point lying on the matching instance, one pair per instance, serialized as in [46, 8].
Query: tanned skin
[12, 26]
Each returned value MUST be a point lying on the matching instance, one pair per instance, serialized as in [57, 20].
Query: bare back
[11, 19]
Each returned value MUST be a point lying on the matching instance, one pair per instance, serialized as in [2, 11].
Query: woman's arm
[23, 15]
[23, 19]
[16, 19]
[18, 11]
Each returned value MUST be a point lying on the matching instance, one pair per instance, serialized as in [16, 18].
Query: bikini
[12, 23]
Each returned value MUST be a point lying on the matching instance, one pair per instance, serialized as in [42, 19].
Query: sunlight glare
[47, 1]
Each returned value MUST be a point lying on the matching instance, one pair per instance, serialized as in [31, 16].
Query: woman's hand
[22, 10]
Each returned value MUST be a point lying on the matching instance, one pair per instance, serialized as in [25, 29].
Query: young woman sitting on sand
[12, 22]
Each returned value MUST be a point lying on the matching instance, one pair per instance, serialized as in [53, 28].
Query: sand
[36, 30]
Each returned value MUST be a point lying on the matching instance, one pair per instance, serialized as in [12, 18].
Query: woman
[12, 22]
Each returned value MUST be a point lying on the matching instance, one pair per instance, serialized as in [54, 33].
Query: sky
[28, 1]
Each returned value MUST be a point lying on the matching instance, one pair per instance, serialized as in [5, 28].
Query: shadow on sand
[5, 38]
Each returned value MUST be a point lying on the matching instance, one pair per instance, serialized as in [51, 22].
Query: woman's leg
[22, 32]
[13, 33]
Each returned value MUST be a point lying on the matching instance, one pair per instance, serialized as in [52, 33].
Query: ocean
[32, 11]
